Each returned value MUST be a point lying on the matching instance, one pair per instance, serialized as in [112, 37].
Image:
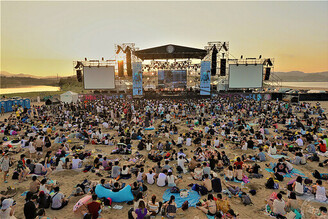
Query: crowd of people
[212, 146]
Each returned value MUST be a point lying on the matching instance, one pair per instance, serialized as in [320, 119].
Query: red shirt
[322, 148]
[93, 209]
[239, 163]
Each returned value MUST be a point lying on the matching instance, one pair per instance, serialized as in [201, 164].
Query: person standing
[4, 166]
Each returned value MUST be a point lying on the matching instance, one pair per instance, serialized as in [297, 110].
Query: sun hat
[6, 203]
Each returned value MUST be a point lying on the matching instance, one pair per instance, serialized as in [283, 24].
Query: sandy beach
[69, 178]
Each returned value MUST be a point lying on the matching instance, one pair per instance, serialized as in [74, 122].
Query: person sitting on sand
[222, 204]
[171, 208]
[198, 173]
[207, 183]
[58, 200]
[209, 207]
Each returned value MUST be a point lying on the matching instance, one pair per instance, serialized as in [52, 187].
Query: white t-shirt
[75, 163]
[188, 141]
[181, 162]
[57, 200]
[321, 194]
[279, 207]
[150, 178]
[216, 143]
[161, 179]
[44, 189]
[299, 142]
[272, 150]
[171, 179]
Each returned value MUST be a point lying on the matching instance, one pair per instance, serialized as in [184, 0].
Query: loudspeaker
[79, 75]
[267, 74]
[223, 67]
[213, 68]
[120, 69]
[128, 62]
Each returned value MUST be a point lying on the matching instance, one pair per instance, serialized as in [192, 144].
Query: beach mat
[310, 198]
[193, 198]
[277, 156]
[294, 172]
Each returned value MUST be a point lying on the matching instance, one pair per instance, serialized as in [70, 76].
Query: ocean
[28, 89]
[314, 85]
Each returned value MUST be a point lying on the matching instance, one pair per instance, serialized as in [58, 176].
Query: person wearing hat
[4, 166]
[7, 209]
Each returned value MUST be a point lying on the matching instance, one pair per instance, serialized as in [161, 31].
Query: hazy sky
[43, 38]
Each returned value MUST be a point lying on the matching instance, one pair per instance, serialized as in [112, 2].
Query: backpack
[270, 184]
[202, 190]
[185, 205]
[279, 177]
[15, 175]
[216, 185]
[246, 200]
[175, 189]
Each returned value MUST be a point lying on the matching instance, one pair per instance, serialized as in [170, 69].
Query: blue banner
[137, 78]
[205, 78]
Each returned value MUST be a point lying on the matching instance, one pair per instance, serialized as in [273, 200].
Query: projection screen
[242, 76]
[101, 77]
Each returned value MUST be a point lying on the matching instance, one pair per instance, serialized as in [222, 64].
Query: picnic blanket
[310, 198]
[245, 180]
[192, 198]
[294, 172]
[276, 156]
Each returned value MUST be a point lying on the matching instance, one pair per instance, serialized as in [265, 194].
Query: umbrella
[82, 201]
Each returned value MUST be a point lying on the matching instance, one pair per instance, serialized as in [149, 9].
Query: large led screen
[101, 77]
[245, 76]
[172, 78]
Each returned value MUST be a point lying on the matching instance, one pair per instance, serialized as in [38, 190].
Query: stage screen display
[101, 77]
[245, 76]
[172, 78]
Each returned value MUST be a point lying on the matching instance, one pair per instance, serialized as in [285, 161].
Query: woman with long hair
[171, 208]
[141, 212]
[154, 207]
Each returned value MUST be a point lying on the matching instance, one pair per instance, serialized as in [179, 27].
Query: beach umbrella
[82, 201]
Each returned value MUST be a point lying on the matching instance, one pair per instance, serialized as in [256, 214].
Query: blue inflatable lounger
[124, 195]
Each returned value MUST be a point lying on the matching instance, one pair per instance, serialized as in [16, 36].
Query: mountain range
[21, 75]
[298, 76]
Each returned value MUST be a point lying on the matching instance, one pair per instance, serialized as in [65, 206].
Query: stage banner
[137, 78]
[205, 78]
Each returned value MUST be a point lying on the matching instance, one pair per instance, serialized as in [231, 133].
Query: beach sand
[69, 178]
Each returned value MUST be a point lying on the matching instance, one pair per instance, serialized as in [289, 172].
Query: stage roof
[171, 51]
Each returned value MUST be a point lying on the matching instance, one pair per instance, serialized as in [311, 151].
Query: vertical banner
[205, 78]
[137, 78]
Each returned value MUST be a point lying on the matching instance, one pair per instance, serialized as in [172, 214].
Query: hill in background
[298, 76]
[12, 82]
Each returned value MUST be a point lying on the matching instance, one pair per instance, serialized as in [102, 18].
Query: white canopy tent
[69, 97]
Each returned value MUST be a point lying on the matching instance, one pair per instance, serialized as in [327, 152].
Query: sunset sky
[43, 38]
